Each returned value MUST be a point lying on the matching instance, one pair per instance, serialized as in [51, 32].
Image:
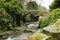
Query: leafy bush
[14, 9]
[55, 15]
[44, 23]
[10, 13]
[5, 20]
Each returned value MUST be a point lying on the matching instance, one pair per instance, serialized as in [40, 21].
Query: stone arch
[24, 21]
[32, 17]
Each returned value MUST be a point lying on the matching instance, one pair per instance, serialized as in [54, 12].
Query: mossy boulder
[53, 30]
[40, 36]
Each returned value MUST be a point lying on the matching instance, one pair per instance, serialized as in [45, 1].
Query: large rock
[53, 30]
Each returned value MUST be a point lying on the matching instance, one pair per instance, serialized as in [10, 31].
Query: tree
[5, 20]
[55, 4]
[14, 8]
[10, 13]
[32, 5]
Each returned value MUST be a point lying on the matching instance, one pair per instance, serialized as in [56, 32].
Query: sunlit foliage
[55, 15]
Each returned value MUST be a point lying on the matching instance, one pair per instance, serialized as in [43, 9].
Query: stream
[21, 35]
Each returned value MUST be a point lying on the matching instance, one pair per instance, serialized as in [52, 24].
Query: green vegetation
[6, 20]
[55, 15]
[55, 4]
[32, 5]
[10, 13]
[44, 23]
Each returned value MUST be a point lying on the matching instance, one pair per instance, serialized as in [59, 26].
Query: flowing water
[23, 35]
[20, 37]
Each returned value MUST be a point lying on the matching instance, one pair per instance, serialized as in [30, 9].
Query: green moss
[57, 24]
[38, 36]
